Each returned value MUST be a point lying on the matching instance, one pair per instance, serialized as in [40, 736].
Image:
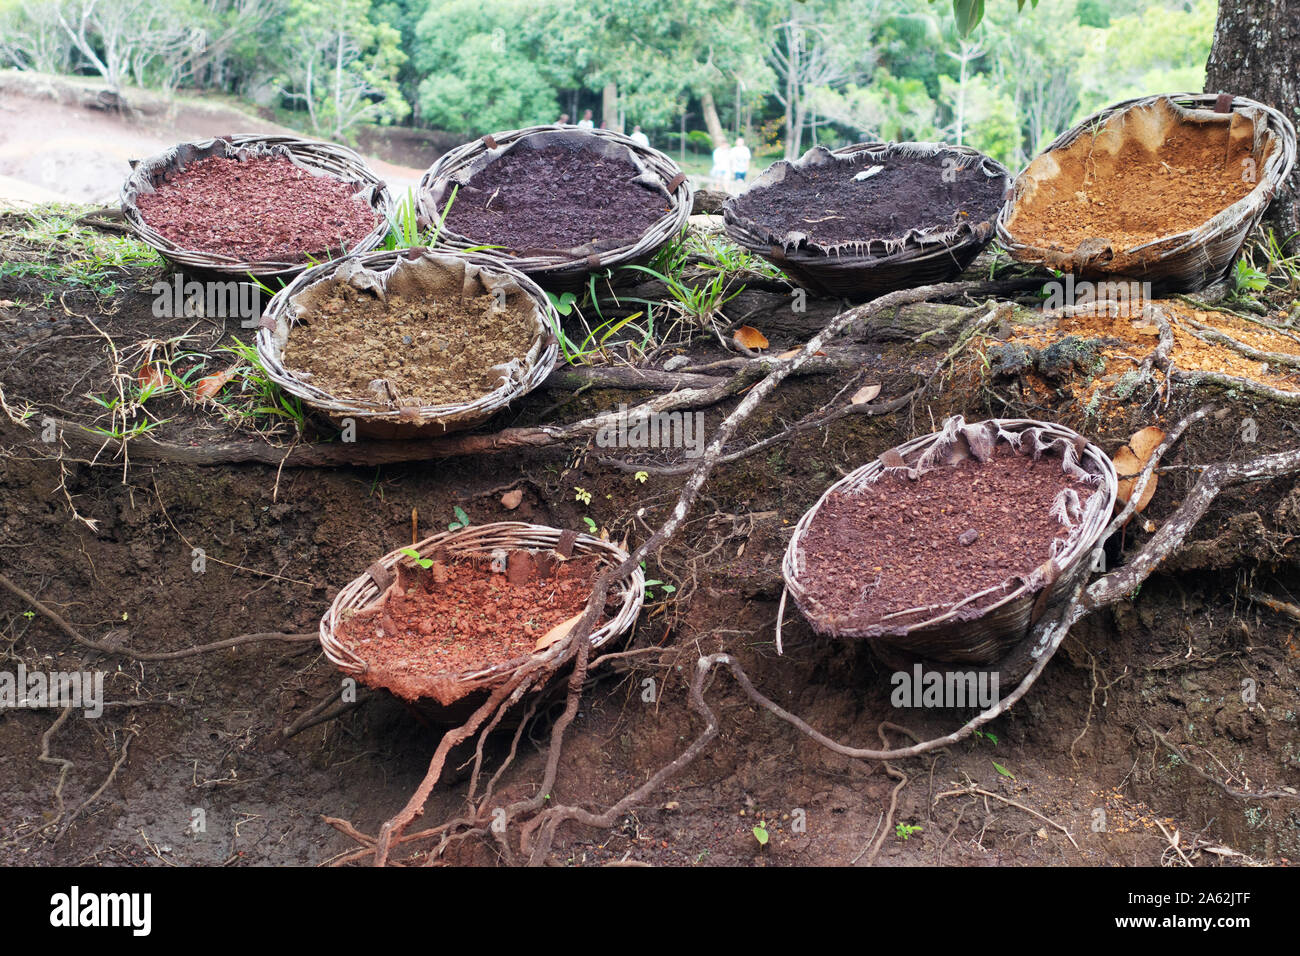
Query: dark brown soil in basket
[901, 544]
[428, 352]
[555, 198]
[474, 619]
[831, 207]
[1135, 195]
[264, 209]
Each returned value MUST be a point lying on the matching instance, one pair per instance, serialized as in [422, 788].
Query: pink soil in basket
[901, 544]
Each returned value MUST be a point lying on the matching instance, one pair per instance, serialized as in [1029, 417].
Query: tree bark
[1256, 53]
[609, 107]
[711, 120]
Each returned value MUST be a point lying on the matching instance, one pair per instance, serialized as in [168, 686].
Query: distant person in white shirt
[586, 122]
[640, 138]
[740, 160]
[721, 171]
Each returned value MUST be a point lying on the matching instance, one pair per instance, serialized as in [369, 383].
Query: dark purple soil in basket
[264, 209]
[827, 204]
[902, 544]
[554, 198]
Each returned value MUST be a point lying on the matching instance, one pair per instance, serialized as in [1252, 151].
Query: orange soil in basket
[473, 620]
[1137, 195]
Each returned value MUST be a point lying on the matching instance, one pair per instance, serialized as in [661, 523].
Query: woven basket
[873, 267]
[464, 274]
[1184, 261]
[560, 270]
[316, 157]
[506, 536]
[959, 633]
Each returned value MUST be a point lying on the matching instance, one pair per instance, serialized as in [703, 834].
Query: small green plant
[985, 735]
[640, 477]
[1003, 770]
[905, 831]
[462, 519]
[651, 584]
[591, 524]
[564, 303]
[582, 495]
[1246, 278]
[761, 834]
[414, 555]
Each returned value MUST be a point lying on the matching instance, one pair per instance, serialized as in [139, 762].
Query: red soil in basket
[262, 209]
[901, 544]
[472, 620]
[556, 198]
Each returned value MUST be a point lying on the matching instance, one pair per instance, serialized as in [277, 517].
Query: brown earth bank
[1139, 724]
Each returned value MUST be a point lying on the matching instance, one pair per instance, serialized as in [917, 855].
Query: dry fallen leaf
[1132, 458]
[865, 394]
[511, 499]
[557, 633]
[149, 376]
[750, 338]
[1145, 442]
[208, 387]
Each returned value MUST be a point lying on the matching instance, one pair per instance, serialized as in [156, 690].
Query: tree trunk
[710, 108]
[1256, 53]
[609, 107]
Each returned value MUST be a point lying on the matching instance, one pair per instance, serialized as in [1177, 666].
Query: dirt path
[54, 147]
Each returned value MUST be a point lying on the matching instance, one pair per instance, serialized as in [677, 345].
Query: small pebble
[967, 537]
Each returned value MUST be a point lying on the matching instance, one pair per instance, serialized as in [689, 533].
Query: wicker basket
[628, 594]
[561, 270]
[1184, 261]
[960, 633]
[461, 274]
[316, 157]
[868, 269]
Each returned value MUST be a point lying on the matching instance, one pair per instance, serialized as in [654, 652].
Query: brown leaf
[150, 376]
[1127, 463]
[208, 387]
[511, 499]
[865, 394]
[750, 338]
[557, 633]
[1145, 442]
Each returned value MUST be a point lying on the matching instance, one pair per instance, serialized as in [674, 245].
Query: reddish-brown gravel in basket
[898, 544]
[472, 620]
[264, 209]
[555, 198]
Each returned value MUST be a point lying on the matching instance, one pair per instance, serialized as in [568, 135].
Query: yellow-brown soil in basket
[430, 352]
[1127, 340]
[1136, 195]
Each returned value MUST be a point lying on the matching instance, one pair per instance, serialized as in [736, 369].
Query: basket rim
[1276, 169]
[1091, 526]
[480, 409]
[658, 233]
[477, 539]
[913, 247]
[336, 160]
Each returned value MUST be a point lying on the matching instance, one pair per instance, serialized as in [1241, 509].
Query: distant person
[720, 174]
[640, 138]
[586, 122]
[563, 120]
[740, 161]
